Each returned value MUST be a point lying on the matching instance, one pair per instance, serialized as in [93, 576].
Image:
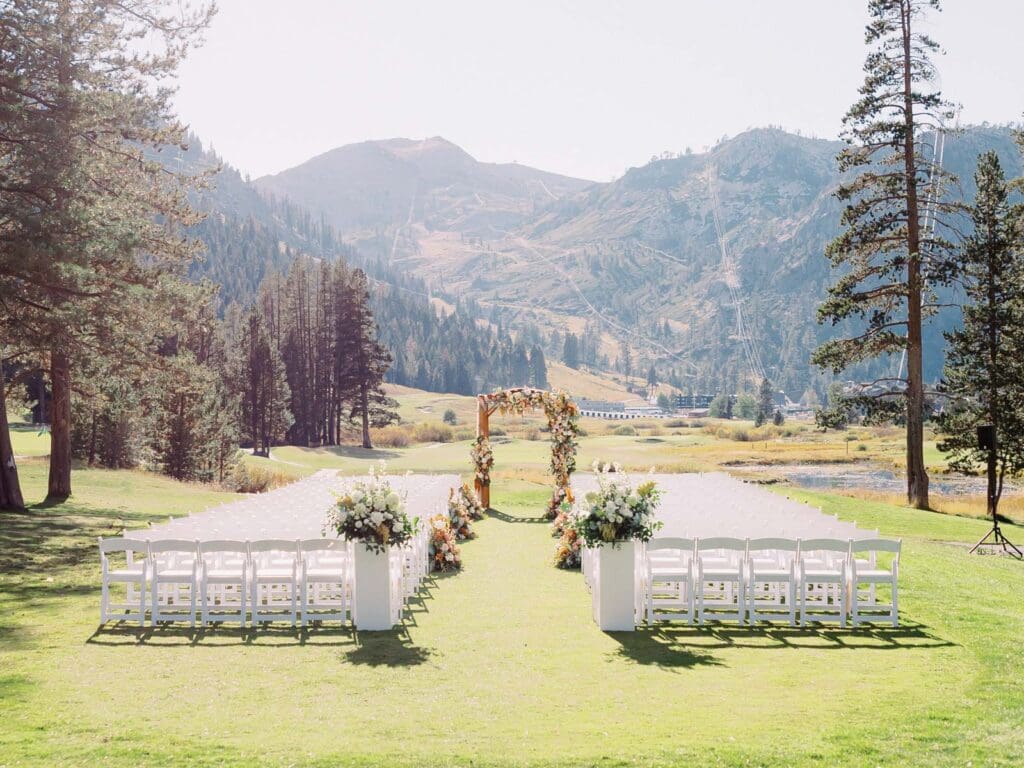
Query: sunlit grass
[501, 665]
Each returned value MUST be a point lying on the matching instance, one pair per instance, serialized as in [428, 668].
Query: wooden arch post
[483, 414]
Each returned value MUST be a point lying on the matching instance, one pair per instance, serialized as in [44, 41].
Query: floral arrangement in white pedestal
[617, 511]
[373, 513]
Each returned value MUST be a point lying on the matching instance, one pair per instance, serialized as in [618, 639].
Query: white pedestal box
[614, 587]
[372, 588]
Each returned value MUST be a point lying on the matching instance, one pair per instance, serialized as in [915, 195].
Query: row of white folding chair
[759, 579]
[230, 580]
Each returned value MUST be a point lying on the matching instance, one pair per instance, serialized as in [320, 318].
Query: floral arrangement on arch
[483, 459]
[474, 507]
[373, 513]
[617, 511]
[444, 552]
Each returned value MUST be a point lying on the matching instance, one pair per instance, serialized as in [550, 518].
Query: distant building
[691, 402]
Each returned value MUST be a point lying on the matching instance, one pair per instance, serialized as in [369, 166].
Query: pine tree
[765, 403]
[984, 374]
[92, 222]
[366, 362]
[889, 261]
[571, 351]
[262, 385]
[538, 368]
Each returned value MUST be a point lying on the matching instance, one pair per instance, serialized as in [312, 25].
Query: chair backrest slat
[876, 545]
[123, 544]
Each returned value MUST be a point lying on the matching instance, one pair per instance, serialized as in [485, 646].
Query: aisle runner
[297, 511]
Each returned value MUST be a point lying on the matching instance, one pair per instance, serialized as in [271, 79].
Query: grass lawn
[501, 664]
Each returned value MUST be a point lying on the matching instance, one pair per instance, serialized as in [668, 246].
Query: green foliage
[984, 378]
[664, 402]
[450, 418]
[624, 430]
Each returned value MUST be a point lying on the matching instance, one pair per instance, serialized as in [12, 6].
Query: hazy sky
[586, 88]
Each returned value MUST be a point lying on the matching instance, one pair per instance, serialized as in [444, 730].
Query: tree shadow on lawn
[358, 452]
[686, 646]
[505, 517]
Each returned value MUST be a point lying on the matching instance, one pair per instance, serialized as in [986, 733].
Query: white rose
[449, 557]
[393, 500]
[376, 518]
[357, 496]
[359, 523]
[627, 512]
[359, 509]
[397, 527]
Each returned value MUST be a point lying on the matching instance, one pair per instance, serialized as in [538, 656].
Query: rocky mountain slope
[638, 258]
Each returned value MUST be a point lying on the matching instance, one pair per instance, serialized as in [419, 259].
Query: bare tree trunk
[364, 406]
[10, 487]
[917, 477]
[59, 487]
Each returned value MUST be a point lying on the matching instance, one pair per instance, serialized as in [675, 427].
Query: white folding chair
[668, 582]
[175, 569]
[325, 580]
[720, 589]
[275, 580]
[771, 579]
[866, 571]
[223, 572]
[134, 575]
[823, 573]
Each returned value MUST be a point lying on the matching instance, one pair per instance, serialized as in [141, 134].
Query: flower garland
[444, 552]
[483, 459]
[563, 422]
[373, 513]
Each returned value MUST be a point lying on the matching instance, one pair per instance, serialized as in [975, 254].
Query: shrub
[624, 430]
[497, 432]
[675, 423]
[656, 432]
[698, 423]
[739, 435]
[861, 447]
[393, 436]
[433, 433]
[532, 433]
[450, 418]
[464, 434]
[247, 478]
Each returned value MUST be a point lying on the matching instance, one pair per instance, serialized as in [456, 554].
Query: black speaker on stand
[987, 441]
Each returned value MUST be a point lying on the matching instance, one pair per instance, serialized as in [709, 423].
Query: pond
[823, 477]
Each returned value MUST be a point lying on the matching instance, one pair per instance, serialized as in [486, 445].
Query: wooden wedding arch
[563, 424]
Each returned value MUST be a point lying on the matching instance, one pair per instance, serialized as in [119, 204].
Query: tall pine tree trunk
[59, 487]
[364, 406]
[10, 487]
[917, 477]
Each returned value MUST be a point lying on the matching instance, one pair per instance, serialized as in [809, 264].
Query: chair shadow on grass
[505, 517]
[680, 646]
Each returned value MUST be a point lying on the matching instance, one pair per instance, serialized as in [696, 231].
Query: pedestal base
[372, 603]
[615, 587]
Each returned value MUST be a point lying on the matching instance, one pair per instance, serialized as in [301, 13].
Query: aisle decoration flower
[617, 511]
[459, 515]
[372, 512]
[444, 552]
[567, 553]
[483, 459]
[472, 502]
